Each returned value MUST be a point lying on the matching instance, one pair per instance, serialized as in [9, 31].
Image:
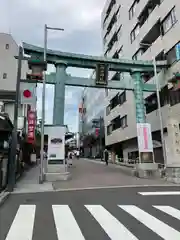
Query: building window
[122, 97]
[134, 33]
[4, 75]
[116, 77]
[109, 129]
[169, 21]
[116, 123]
[174, 97]
[124, 121]
[133, 156]
[151, 103]
[114, 101]
[138, 54]
[108, 110]
[7, 46]
[171, 56]
[120, 52]
[133, 9]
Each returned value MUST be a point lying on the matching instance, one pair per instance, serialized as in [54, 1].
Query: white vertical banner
[144, 135]
[56, 142]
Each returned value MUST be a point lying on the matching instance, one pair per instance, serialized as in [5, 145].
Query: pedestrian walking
[106, 156]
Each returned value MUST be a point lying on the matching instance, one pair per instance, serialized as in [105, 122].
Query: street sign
[102, 74]
[28, 93]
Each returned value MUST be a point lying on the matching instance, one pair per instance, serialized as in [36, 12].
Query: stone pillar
[59, 94]
[173, 151]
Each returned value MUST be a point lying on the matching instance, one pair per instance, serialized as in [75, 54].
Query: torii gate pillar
[139, 99]
[59, 93]
[146, 155]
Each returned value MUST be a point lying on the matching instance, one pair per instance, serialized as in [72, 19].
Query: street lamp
[158, 102]
[46, 28]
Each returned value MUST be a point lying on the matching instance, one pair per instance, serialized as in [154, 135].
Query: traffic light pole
[12, 155]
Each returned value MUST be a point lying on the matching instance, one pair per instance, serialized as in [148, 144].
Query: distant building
[141, 30]
[92, 108]
[8, 73]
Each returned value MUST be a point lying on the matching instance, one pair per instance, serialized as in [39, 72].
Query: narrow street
[109, 204]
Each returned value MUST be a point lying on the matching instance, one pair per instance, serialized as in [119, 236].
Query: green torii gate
[62, 60]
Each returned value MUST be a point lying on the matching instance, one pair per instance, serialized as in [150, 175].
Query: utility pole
[100, 136]
[13, 145]
[41, 176]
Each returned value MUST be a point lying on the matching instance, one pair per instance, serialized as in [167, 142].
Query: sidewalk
[30, 183]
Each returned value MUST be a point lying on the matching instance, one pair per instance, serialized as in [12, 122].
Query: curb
[3, 197]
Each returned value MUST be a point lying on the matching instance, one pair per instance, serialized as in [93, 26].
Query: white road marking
[114, 229]
[23, 224]
[159, 193]
[66, 225]
[169, 210]
[163, 230]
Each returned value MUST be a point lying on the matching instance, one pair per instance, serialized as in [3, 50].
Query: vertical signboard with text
[145, 143]
[102, 74]
[31, 126]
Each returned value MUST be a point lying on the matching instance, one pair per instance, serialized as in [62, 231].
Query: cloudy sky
[81, 20]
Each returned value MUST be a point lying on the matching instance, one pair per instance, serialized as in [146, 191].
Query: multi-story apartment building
[8, 73]
[141, 30]
[91, 113]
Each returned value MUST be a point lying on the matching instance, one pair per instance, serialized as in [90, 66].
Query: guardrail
[132, 162]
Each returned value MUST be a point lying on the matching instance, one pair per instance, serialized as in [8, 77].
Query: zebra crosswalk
[66, 226]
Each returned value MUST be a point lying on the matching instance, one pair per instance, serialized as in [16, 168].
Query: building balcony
[153, 50]
[110, 35]
[149, 31]
[112, 51]
[109, 18]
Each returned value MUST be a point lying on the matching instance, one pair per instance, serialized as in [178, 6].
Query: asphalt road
[114, 213]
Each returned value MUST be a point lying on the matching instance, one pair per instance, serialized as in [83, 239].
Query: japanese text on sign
[31, 126]
[102, 74]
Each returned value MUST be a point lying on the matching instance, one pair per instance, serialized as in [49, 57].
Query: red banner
[97, 132]
[31, 126]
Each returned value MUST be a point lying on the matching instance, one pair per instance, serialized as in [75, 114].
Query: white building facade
[8, 73]
[141, 30]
